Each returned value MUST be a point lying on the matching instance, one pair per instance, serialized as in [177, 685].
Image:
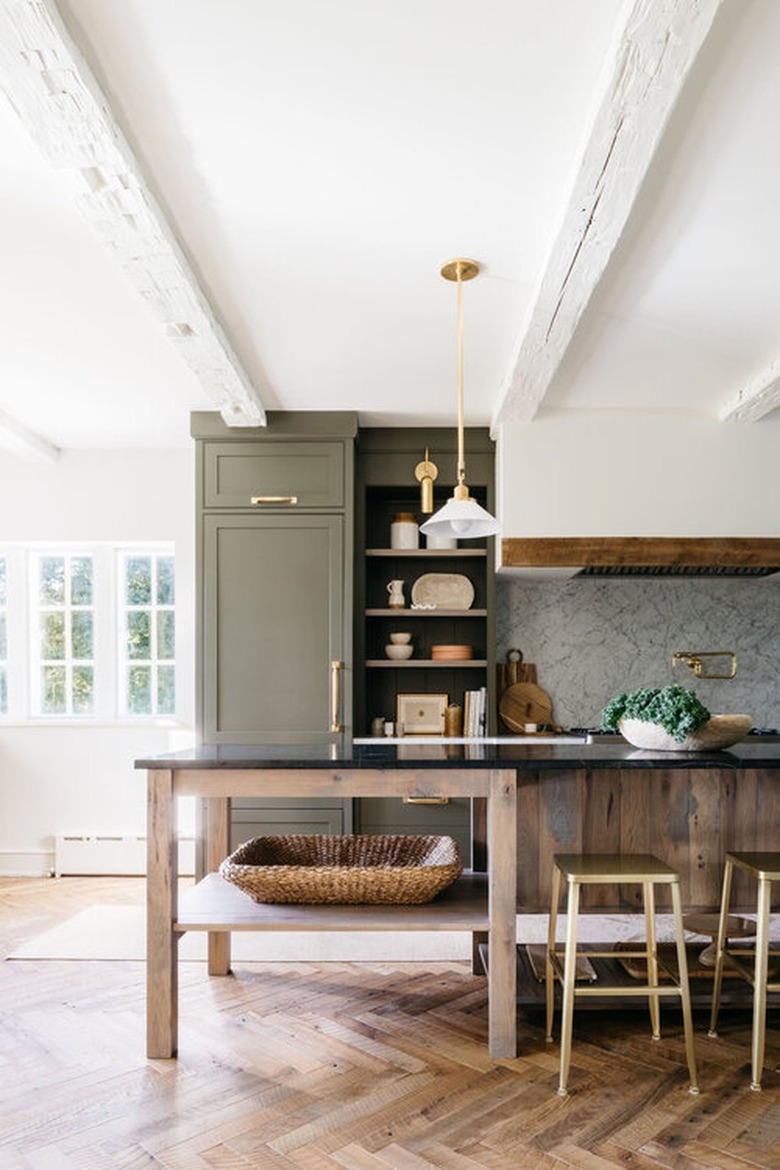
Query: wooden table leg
[502, 881]
[161, 912]
[217, 849]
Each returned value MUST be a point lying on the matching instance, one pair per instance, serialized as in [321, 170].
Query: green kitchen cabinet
[274, 594]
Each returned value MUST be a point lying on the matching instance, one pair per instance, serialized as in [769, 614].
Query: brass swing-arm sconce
[425, 473]
[694, 661]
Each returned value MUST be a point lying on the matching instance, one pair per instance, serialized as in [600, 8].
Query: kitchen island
[539, 797]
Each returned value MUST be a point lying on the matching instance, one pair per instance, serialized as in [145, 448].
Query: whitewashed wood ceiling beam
[55, 93]
[758, 398]
[658, 45]
[19, 440]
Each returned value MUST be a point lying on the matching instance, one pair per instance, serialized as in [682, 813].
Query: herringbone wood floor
[343, 1066]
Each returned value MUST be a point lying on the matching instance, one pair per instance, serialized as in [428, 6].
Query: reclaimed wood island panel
[688, 816]
[529, 801]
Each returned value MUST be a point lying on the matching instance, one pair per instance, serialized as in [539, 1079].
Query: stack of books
[475, 713]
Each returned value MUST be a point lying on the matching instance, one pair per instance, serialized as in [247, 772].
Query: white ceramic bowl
[400, 639]
[719, 731]
[399, 652]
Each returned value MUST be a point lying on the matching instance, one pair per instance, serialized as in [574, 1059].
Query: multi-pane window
[148, 634]
[64, 672]
[3, 638]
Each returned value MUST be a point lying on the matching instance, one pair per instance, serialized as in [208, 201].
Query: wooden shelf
[427, 553]
[426, 613]
[216, 905]
[425, 663]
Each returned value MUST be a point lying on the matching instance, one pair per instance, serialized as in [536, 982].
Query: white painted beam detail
[758, 398]
[60, 103]
[658, 45]
[19, 440]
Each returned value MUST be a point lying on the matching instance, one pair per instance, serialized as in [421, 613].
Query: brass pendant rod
[461, 442]
[460, 270]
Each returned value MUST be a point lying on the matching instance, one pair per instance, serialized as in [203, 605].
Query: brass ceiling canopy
[460, 269]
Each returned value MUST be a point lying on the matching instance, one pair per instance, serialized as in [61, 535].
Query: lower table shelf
[216, 905]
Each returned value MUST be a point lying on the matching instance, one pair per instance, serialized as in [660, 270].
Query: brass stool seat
[765, 868]
[583, 869]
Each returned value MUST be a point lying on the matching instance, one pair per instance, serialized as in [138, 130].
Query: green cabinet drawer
[274, 474]
[387, 814]
[261, 818]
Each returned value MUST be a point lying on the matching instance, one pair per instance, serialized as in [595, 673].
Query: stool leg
[651, 948]
[569, 972]
[759, 980]
[685, 990]
[552, 928]
[720, 943]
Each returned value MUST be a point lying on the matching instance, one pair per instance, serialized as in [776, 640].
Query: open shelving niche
[385, 678]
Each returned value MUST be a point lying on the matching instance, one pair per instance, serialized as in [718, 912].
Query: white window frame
[22, 629]
[37, 609]
[154, 662]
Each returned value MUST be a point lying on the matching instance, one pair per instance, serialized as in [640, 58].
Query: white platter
[443, 590]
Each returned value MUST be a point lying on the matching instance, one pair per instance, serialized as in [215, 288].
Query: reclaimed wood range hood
[641, 556]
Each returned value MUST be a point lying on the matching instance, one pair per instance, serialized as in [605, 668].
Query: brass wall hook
[694, 661]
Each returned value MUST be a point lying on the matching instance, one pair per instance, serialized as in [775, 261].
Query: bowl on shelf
[720, 731]
[400, 639]
[399, 653]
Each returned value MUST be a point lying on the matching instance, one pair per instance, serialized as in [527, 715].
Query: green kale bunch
[675, 708]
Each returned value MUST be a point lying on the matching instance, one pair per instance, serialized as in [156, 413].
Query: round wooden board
[525, 703]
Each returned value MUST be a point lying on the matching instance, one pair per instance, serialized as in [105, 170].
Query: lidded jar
[404, 532]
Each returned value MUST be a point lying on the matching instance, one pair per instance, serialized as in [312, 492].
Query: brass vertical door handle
[335, 695]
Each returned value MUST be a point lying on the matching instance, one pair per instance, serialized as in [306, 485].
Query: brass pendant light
[461, 516]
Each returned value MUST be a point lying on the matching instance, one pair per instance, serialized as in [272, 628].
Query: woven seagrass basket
[354, 870]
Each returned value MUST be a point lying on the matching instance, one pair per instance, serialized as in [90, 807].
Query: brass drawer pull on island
[426, 800]
[274, 500]
[335, 695]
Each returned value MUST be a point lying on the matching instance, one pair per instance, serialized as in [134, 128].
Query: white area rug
[119, 932]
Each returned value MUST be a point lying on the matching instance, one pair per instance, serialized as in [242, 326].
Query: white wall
[613, 474]
[61, 778]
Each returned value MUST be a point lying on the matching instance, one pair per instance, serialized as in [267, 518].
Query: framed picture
[421, 714]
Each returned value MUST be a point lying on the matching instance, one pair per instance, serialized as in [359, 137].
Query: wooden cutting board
[525, 703]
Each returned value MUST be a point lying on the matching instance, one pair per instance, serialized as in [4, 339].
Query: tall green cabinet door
[274, 633]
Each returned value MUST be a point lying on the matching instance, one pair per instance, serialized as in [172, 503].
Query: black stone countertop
[408, 754]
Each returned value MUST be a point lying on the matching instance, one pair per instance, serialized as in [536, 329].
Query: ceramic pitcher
[396, 592]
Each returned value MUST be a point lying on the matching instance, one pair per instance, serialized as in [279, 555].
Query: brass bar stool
[579, 870]
[765, 868]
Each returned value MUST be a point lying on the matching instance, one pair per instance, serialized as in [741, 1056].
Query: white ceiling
[317, 163]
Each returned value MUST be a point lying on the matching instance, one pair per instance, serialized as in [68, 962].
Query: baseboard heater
[111, 854]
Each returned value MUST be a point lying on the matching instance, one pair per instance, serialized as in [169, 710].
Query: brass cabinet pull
[335, 695]
[426, 800]
[274, 500]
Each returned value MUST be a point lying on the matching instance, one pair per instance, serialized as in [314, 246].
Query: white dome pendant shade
[461, 516]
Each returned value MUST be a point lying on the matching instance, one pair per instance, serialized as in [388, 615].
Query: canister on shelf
[404, 532]
[453, 720]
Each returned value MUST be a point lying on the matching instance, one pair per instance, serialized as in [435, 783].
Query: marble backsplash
[593, 638]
